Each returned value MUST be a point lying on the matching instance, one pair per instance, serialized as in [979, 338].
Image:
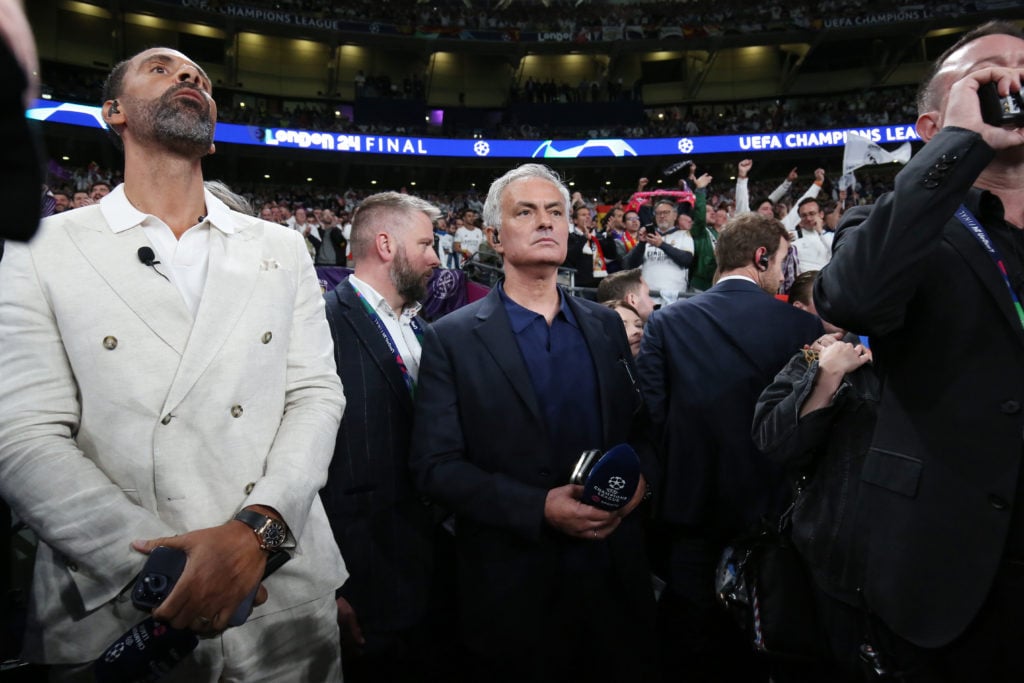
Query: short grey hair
[384, 211]
[492, 205]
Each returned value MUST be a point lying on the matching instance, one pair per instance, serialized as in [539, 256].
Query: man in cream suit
[169, 380]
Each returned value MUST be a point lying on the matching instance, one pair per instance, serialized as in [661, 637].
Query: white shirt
[398, 326]
[183, 260]
[813, 250]
[445, 244]
[469, 239]
[661, 273]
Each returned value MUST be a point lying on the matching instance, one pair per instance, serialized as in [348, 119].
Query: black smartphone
[158, 577]
[242, 612]
[1000, 111]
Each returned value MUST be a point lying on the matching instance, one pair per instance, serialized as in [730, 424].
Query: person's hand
[827, 339]
[744, 167]
[819, 175]
[641, 184]
[654, 238]
[792, 175]
[564, 511]
[703, 181]
[841, 358]
[638, 497]
[352, 640]
[224, 564]
[963, 108]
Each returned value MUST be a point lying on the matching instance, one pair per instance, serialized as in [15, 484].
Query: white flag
[860, 151]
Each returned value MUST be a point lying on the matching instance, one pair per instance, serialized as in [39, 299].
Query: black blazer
[481, 449]
[382, 527]
[703, 364]
[943, 470]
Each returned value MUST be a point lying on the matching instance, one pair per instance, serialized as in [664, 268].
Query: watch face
[273, 535]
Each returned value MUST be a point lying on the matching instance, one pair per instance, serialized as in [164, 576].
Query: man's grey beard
[181, 125]
[410, 284]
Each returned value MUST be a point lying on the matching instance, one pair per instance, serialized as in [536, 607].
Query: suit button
[249, 487]
[931, 183]
[1010, 407]
[267, 336]
[110, 343]
[544, 472]
[166, 420]
[997, 502]
[72, 567]
[236, 411]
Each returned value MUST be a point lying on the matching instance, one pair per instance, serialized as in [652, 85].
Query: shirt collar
[986, 206]
[521, 317]
[121, 215]
[379, 303]
[738, 277]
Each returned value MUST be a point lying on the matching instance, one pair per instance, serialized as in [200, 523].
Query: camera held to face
[1001, 111]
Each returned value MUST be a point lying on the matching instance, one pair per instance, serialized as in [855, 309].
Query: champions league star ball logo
[444, 284]
[590, 148]
[617, 483]
[685, 145]
[114, 652]
[481, 148]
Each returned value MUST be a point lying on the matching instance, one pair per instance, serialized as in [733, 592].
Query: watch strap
[259, 522]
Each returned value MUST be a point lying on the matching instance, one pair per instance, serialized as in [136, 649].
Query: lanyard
[410, 383]
[976, 229]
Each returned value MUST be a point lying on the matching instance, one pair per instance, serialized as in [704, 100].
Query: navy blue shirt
[563, 377]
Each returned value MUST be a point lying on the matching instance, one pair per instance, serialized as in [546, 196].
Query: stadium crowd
[760, 429]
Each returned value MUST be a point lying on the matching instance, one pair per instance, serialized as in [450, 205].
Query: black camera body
[1001, 111]
[158, 577]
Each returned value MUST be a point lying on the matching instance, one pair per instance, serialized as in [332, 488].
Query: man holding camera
[665, 252]
[933, 273]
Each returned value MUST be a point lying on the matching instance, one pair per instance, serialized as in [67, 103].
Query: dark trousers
[990, 650]
[589, 631]
[698, 640]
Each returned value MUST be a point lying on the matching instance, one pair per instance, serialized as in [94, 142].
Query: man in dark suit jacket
[512, 389]
[386, 534]
[941, 509]
[703, 364]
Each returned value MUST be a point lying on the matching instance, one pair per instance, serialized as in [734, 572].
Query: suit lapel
[369, 336]
[230, 282]
[981, 263]
[153, 299]
[496, 334]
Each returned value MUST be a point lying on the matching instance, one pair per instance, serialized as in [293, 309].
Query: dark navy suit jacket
[481, 449]
[382, 526]
[703, 364]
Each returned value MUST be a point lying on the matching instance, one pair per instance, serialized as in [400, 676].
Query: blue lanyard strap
[971, 223]
[417, 329]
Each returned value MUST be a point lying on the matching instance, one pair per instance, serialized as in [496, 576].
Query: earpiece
[496, 239]
[762, 263]
[113, 109]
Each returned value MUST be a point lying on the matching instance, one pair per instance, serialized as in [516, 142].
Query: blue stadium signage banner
[349, 143]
